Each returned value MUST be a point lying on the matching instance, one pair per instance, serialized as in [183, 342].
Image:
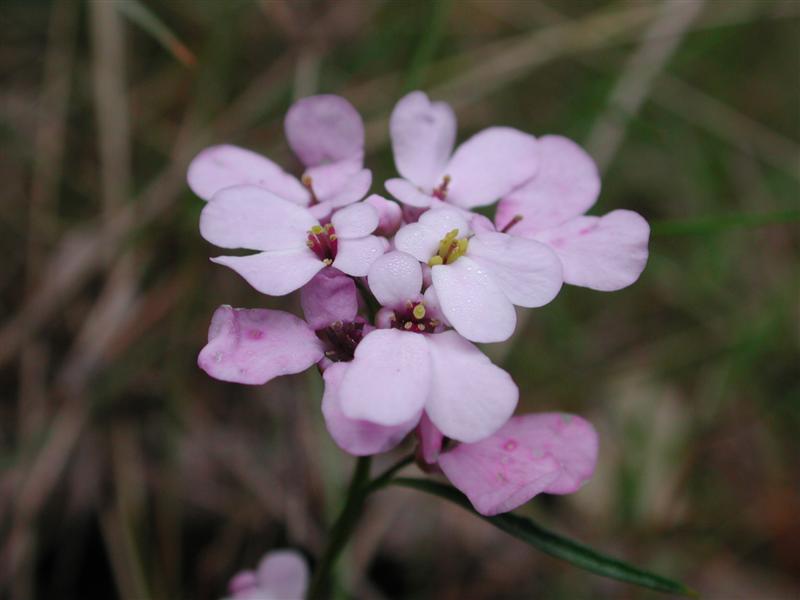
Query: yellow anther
[451, 248]
[461, 248]
[421, 326]
[327, 262]
[408, 325]
[316, 230]
[444, 245]
[328, 227]
[419, 311]
[435, 260]
[332, 237]
[306, 180]
[310, 244]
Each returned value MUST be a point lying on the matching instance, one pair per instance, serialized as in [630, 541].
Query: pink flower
[555, 453]
[398, 373]
[293, 246]
[327, 135]
[484, 168]
[603, 253]
[478, 278]
[281, 575]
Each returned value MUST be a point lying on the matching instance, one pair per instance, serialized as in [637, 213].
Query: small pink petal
[255, 345]
[283, 574]
[423, 134]
[408, 193]
[219, 167]
[250, 217]
[473, 302]
[528, 272]
[417, 240]
[395, 278]
[355, 221]
[470, 397]
[445, 219]
[241, 583]
[566, 185]
[354, 190]
[604, 253]
[324, 129]
[275, 273]
[330, 296]
[548, 452]
[389, 378]
[481, 224]
[430, 439]
[489, 165]
[360, 438]
[389, 213]
[355, 256]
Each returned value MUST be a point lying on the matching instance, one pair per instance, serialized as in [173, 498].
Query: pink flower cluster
[394, 295]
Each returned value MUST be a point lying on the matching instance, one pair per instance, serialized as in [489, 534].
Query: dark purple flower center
[413, 317]
[323, 242]
[440, 191]
[340, 339]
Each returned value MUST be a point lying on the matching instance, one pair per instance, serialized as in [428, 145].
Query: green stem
[343, 528]
[385, 478]
[704, 225]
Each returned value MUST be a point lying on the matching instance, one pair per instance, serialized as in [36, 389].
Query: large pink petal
[330, 296]
[357, 437]
[566, 185]
[390, 214]
[323, 129]
[389, 378]
[528, 272]
[355, 256]
[473, 302]
[250, 217]
[395, 278]
[355, 221]
[283, 574]
[489, 165]
[430, 439]
[423, 134]
[549, 452]
[339, 183]
[417, 240]
[408, 193]
[275, 273]
[603, 253]
[219, 167]
[254, 345]
[470, 397]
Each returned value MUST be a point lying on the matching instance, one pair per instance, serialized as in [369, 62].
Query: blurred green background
[126, 472]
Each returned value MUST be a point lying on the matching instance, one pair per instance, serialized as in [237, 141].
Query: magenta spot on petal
[255, 334]
[510, 445]
[585, 230]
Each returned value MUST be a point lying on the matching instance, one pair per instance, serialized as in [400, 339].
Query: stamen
[308, 183]
[413, 317]
[511, 223]
[440, 192]
[323, 241]
[451, 248]
[340, 339]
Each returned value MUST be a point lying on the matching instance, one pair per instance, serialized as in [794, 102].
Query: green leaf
[721, 223]
[553, 544]
[147, 20]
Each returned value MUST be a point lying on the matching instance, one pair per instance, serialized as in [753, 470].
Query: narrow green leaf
[722, 222]
[147, 20]
[553, 544]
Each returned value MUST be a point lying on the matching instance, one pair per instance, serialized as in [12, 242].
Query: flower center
[440, 192]
[413, 317]
[323, 242]
[341, 339]
[451, 248]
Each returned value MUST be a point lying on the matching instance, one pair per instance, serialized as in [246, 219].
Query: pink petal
[242, 583]
[408, 193]
[603, 253]
[250, 217]
[395, 278]
[489, 165]
[340, 183]
[275, 273]
[355, 256]
[219, 167]
[354, 190]
[528, 272]
[481, 224]
[567, 185]
[360, 438]
[470, 397]
[430, 439]
[254, 345]
[283, 574]
[549, 452]
[355, 221]
[473, 302]
[323, 129]
[423, 134]
[389, 378]
[389, 213]
[330, 296]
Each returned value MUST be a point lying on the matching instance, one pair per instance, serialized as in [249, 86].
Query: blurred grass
[690, 375]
